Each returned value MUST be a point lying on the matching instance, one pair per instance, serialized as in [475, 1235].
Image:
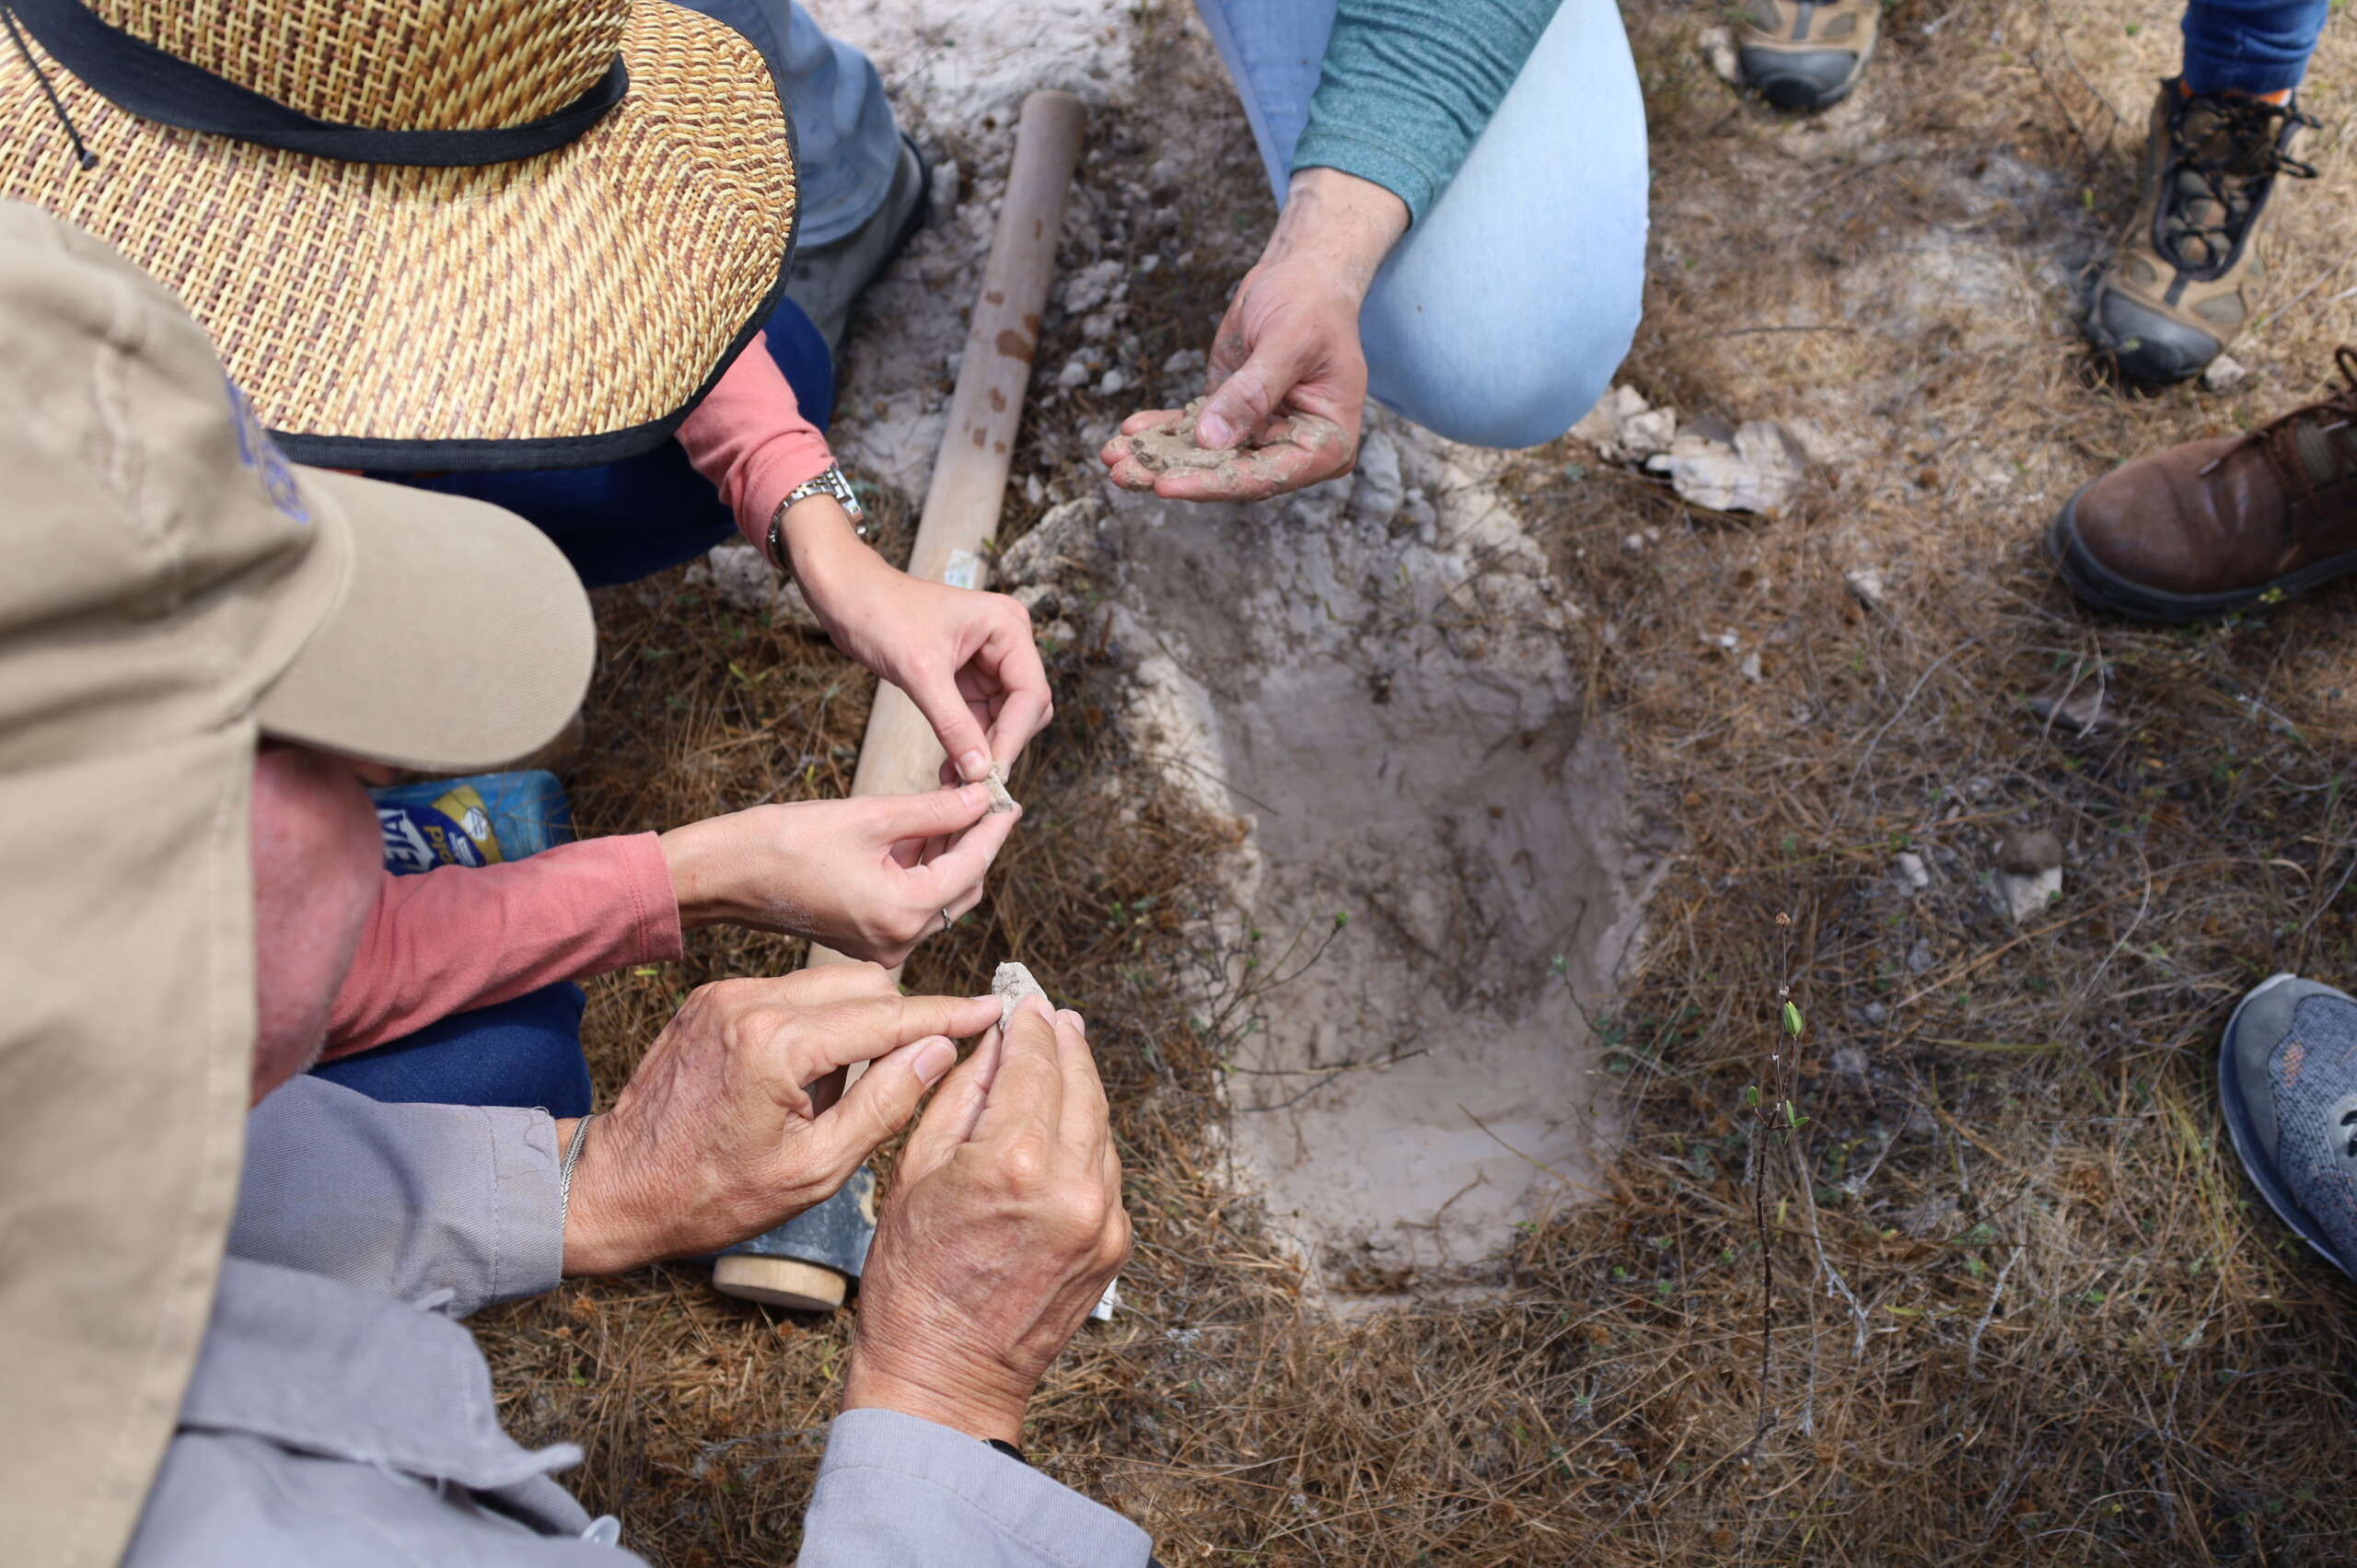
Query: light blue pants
[1497, 322]
[1499, 319]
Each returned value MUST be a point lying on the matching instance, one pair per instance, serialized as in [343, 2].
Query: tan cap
[170, 590]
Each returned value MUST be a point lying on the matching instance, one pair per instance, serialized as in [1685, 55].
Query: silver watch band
[830, 482]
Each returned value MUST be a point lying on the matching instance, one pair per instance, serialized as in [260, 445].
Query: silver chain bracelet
[565, 1176]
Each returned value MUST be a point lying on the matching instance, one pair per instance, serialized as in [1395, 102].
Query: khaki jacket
[340, 1413]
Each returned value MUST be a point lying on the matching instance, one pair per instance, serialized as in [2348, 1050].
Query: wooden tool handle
[899, 755]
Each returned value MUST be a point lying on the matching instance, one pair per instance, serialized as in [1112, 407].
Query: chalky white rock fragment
[1011, 985]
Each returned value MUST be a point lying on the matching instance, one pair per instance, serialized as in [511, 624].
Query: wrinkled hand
[717, 1135]
[868, 877]
[966, 659]
[1003, 1226]
[1288, 346]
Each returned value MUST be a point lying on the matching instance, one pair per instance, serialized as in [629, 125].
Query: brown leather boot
[2213, 527]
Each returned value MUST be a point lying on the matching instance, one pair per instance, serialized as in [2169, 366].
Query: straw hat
[426, 234]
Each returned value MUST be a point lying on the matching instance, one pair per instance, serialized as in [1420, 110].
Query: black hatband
[135, 75]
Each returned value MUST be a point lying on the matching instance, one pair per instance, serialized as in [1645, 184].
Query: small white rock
[2019, 897]
[1600, 427]
[1113, 382]
[1011, 985]
[947, 179]
[1717, 45]
[739, 575]
[1866, 587]
[1377, 489]
[1086, 288]
[1001, 801]
[1749, 668]
[1624, 428]
[1074, 374]
[1066, 539]
[2225, 373]
[1648, 432]
[1913, 872]
[1757, 471]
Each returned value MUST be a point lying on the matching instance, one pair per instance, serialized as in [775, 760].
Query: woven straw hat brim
[558, 311]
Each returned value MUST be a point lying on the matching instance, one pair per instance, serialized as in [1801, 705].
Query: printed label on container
[455, 830]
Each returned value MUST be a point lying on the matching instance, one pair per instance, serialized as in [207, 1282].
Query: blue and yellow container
[478, 820]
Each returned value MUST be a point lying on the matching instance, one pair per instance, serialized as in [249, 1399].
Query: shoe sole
[1816, 103]
[2094, 584]
[2256, 1164]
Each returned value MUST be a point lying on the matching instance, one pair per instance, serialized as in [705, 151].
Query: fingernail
[1212, 431]
[1037, 1004]
[1068, 1016]
[933, 1058]
[973, 765]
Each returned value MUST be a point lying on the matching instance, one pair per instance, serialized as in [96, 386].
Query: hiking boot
[1804, 54]
[827, 278]
[2213, 527]
[2187, 276]
[2287, 1074]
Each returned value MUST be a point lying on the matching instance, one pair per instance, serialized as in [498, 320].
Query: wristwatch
[829, 481]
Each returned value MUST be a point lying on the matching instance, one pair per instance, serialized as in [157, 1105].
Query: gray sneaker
[2287, 1072]
[827, 278]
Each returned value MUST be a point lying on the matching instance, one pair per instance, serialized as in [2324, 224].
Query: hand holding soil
[1287, 374]
[1161, 450]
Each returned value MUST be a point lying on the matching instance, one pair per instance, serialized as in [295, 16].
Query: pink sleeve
[463, 936]
[749, 437]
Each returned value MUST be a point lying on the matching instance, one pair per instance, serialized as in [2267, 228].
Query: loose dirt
[1438, 869]
[1177, 443]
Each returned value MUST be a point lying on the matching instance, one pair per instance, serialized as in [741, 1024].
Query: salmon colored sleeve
[468, 937]
[749, 437]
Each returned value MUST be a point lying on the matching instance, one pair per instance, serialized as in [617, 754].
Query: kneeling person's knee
[1509, 366]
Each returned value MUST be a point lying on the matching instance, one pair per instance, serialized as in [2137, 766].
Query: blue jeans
[523, 1053]
[2250, 46]
[1500, 318]
[630, 519]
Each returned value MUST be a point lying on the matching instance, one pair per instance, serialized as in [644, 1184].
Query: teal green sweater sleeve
[1407, 84]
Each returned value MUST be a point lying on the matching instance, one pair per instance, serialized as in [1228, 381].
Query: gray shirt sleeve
[406, 1199]
[1407, 84]
[896, 1491]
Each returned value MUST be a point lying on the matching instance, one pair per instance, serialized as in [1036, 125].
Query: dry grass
[2027, 1309]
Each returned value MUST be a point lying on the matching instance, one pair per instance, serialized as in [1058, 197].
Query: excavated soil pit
[1443, 875]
